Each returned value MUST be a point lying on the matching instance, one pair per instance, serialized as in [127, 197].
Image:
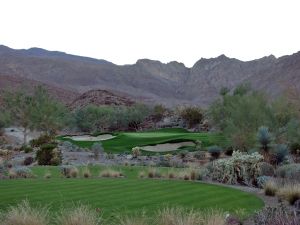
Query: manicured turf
[122, 195]
[125, 141]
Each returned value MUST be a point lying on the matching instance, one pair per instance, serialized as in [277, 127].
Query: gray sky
[123, 31]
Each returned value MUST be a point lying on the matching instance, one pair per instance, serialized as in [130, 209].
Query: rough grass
[24, 214]
[289, 192]
[127, 195]
[270, 188]
[125, 141]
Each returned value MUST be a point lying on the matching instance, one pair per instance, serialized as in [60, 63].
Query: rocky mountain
[100, 97]
[8, 83]
[152, 81]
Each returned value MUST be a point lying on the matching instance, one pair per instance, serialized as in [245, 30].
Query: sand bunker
[101, 137]
[167, 147]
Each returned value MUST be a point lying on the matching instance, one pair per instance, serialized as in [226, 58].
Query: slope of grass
[122, 195]
[125, 141]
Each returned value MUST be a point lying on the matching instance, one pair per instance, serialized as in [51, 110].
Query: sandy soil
[17, 134]
[101, 137]
[166, 147]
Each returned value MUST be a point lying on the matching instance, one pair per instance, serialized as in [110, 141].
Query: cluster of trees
[37, 111]
[100, 118]
[240, 114]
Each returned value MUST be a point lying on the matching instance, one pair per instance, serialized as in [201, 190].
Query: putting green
[125, 141]
[123, 195]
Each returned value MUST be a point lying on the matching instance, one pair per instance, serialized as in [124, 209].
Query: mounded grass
[125, 196]
[125, 141]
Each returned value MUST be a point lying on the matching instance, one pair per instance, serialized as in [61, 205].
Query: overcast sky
[123, 31]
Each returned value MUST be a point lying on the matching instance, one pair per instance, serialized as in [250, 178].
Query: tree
[94, 118]
[158, 113]
[136, 114]
[192, 115]
[20, 108]
[35, 111]
[48, 114]
[239, 116]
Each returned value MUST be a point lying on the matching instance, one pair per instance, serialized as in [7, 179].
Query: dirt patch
[167, 147]
[101, 137]
[16, 134]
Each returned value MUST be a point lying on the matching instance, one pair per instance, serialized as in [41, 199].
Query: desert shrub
[262, 180]
[110, 156]
[295, 148]
[26, 148]
[97, 149]
[154, 173]
[183, 154]
[69, 146]
[191, 115]
[132, 220]
[184, 175]
[171, 174]
[69, 171]
[180, 216]
[47, 174]
[264, 138]
[48, 154]
[290, 171]
[12, 174]
[276, 216]
[290, 192]
[5, 153]
[80, 215]
[280, 153]
[194, 174]
[200, 155]
[240, 168]
[168, 157]
[43, 139]
[28, 161]
[266, 169]
[86, 172]
[22, 172]
[74, 172]
[136, 152]
[24, 214]
[270, 187]
[229, 150]
[215, 151]
[142, 174]
[111, 173]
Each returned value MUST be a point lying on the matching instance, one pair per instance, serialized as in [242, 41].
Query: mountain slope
[149, 80]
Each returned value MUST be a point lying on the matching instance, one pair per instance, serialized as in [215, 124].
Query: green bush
[26, 149]
[43, 139]
[48, 154]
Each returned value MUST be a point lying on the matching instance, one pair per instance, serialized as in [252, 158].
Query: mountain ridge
[169, 83]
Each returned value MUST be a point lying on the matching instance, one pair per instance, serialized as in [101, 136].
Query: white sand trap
[167, 147]
[101, 137]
